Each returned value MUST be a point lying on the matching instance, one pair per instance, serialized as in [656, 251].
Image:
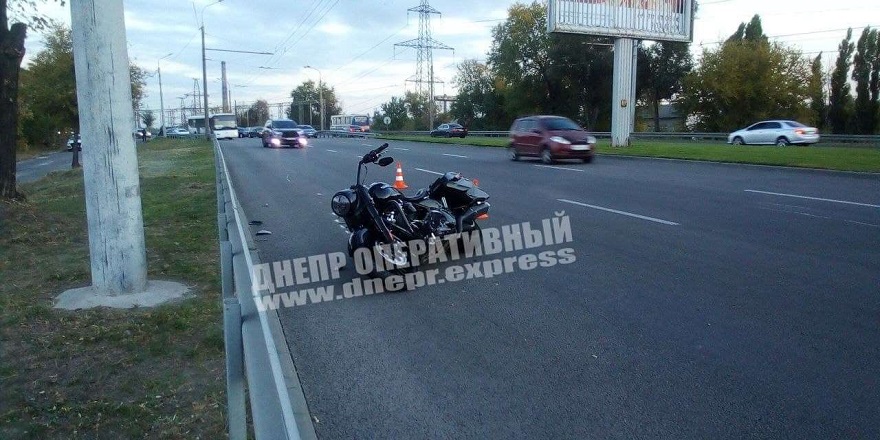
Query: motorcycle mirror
[385, 161]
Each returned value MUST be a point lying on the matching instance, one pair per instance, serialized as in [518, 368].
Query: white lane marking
[560, 168]
[367, 145]
[628, 214]
[429, 171]
[42, 157]
[358, 156]
[812, 198]
[863, 224]
[455, 155]
[807, 214]
[403, 149]
[333, 151]
[42, 164]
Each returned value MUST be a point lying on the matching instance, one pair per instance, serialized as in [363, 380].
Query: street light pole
[321, 93]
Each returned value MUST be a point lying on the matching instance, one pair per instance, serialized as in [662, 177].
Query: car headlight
[276, 141]
[560, 140]
[591, 140]
[343, 203]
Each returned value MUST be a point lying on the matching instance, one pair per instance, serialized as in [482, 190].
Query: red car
[550, 138]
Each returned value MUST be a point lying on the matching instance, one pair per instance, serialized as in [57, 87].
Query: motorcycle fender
[358, 239]
[471, 214]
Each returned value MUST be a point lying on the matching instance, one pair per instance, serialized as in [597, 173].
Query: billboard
[661, 20]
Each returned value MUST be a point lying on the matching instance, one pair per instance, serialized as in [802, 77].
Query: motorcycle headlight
[560, 140]
[343, 203]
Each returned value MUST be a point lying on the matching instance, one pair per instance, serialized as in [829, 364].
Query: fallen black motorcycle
[384, 221]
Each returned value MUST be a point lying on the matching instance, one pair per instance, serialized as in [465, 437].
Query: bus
[342, 122]
[223, 125]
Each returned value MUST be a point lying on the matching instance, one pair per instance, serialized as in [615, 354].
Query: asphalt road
[706, 301]
[36, 168]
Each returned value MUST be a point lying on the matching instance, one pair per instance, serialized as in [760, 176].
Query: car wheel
[738, 141]
[782, 142]
[546, 157]
[514, 156]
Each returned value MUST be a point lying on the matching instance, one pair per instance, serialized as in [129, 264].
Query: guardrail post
[235, 396]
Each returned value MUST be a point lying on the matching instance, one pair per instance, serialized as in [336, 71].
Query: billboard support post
[623, 94]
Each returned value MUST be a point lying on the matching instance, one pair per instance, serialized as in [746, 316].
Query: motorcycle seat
[420, 195]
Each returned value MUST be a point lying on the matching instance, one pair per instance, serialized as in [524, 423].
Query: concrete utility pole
[112, 189]
[205, 84]
[224, 87]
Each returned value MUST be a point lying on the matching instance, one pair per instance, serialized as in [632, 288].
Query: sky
[352, 43]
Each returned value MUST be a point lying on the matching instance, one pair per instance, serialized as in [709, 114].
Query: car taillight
[800, 131]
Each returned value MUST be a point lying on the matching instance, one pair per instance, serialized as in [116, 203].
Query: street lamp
[205, 67]
[320, 92]
[161, 99]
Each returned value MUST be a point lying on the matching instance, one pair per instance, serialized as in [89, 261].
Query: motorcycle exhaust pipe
[471, 214]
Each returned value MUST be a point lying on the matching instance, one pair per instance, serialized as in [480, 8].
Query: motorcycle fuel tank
[384, 191]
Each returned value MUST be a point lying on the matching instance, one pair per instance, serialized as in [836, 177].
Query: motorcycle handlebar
[373, 156]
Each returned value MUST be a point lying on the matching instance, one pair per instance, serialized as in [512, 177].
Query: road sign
[387, 120]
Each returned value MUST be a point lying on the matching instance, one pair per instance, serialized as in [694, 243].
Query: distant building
[670, 119]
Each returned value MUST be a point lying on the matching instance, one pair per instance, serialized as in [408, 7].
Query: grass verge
[155, 373]
[823, 157]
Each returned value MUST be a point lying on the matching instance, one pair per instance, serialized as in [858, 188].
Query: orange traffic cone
[476, 182]
[398, 179]
[481, 216]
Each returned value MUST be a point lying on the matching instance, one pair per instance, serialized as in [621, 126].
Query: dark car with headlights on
[550, 138]
[283, 133]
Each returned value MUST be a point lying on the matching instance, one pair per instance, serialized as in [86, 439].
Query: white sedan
[780, 133]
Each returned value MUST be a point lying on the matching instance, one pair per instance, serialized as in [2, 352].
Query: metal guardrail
[832, 139]
[253, 357]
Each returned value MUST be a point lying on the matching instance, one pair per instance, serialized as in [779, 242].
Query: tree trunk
[656, 113]
[11, 54]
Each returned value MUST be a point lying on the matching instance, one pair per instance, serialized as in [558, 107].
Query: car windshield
[794, 124]
[283, 124]
[560, 124]
[454, 126]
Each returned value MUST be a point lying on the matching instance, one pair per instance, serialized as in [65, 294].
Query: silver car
[780, 133]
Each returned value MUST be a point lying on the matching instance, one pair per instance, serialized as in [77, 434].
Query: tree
[307, 97]
[478, 106]
[865, 111]
[520, 57]
[746, 80]
[11, 54]
[666, 65]
[816, 87]
[396, 110]
[257, 114]
[840, 101]
[148, 118]
[417, 109]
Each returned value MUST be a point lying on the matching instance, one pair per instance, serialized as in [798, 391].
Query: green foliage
[816, 87]
[479, 105]
[744, 81]
[148, 118]
[417, 110]
[396, 110]
[864, 117]
[257, 114]
[662, 67]
[307, 97]
[840, 101]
